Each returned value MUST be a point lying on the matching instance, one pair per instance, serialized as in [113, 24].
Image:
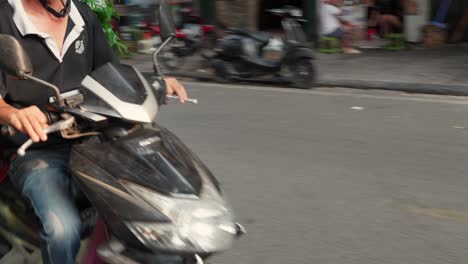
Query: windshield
[123, 81]
[119, 91]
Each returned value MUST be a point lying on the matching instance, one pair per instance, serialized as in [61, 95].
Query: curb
[424, 88]
[421, 88]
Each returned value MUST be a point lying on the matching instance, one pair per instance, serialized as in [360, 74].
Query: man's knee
[64, 227]
[22, 170]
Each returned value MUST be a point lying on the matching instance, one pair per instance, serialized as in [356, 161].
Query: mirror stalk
[156, 66]
[50, 86]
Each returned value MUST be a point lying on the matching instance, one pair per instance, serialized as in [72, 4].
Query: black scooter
[239, 54]
[148, 197]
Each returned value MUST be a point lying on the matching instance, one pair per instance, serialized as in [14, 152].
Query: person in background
[332, 25]
[386, 15]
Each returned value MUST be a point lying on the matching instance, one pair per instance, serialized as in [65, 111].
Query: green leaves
[105, 11]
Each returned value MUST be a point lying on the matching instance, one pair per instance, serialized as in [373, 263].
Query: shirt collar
[26, 27]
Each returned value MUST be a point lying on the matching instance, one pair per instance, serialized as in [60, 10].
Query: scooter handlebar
[292, 12]
[175, 97]
[275, 11]
[60, 125]
[159, 87]
[9, 131]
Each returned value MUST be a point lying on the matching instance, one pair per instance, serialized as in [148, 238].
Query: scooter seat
[262, 37]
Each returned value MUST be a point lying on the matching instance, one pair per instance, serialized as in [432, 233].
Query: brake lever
[60, 125]
[175, 97]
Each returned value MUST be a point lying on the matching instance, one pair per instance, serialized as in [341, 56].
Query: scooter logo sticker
[79, 46]
[148, 141]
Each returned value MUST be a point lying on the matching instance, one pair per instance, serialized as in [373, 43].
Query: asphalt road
[335, 176]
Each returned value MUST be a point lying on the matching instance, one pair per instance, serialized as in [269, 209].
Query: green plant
[105, 12]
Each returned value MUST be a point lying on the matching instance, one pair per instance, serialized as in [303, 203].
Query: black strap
[59, 14]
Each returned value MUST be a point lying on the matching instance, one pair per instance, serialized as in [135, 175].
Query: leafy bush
[105, 12]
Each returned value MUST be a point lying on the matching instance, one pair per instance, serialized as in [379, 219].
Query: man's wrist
[9, 112]
[10, 115]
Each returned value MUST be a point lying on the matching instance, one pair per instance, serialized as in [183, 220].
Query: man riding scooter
[65, 42]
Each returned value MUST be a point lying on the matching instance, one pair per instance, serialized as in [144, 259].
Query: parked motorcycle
[192, 37]
[148, 197]
[239, 54]
[190, 40]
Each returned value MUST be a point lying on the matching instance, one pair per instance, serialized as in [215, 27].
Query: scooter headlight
[198, 224]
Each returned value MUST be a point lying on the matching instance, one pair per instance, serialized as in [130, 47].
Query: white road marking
[357, 108]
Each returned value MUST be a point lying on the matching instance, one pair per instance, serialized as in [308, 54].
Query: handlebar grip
[9, 131]
[275, 11]
[60, 125]
[52, 117]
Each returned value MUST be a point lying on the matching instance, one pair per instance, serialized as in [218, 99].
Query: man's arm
[338, 13]
[6, 111]
[29, 120]
[334, 10]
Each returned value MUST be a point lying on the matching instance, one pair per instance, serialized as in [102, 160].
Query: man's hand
[30, 121]
[174, 87]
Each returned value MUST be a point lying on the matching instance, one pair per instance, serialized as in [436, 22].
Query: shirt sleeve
[103, 52]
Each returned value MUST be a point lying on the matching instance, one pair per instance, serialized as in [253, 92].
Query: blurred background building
[249, 14]
[252, 14]
[431, 22]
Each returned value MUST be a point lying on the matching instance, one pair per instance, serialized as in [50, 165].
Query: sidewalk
[443, 70]
[440, 71]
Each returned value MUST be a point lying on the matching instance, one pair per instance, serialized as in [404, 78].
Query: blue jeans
[43, 177]
[337, 33]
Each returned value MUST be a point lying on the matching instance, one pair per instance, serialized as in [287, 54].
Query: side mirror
[166, 20]
[15, 61]
[13, 58]
[167, 30]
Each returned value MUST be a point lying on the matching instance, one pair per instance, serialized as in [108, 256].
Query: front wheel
[303, 74]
